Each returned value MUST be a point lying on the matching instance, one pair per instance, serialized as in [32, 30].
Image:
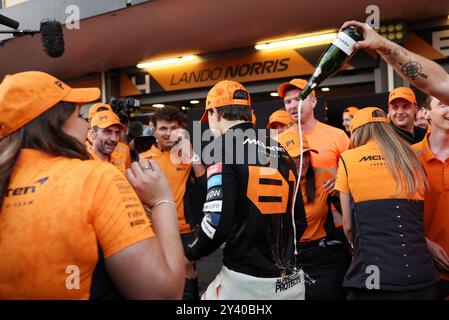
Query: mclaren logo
[260, 143]
[372, 158]
[26, 189]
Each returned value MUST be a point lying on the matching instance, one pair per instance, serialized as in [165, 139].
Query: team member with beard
[121, 155]
[106, 130]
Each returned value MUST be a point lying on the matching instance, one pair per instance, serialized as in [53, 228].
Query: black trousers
[324, 270]
[191, 288]
[443, 289]
[429, 293]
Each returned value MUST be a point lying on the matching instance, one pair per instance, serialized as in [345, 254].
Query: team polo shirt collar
[426, 152]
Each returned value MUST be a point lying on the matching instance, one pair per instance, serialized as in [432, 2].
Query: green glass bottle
[333, 58]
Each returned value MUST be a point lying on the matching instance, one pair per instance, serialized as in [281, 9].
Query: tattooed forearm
[385, 51]
[398, 50]
[413, 69]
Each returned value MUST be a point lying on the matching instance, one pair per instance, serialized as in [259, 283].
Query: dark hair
[426, 103]
[168, 113]
[234, 112]
[310, 184]
[43, 133]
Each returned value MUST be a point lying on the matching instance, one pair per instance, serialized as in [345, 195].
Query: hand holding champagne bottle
[333, 58]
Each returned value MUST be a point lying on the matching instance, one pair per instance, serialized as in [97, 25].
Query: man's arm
[421, 72]
[219, 213]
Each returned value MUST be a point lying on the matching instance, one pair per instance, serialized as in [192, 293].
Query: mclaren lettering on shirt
[248, 146]
[20, 197]
[25, 189]
[373, 160]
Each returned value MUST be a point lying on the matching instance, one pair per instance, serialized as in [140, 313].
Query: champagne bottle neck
[307, 89]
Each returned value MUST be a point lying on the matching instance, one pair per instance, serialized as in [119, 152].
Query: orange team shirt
[330, 142]
[177, 175]
[371, 179]
[120, 158]
[436, 202]
[56, 213]
[316, 211]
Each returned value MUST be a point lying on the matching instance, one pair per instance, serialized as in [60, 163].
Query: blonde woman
[382, 184]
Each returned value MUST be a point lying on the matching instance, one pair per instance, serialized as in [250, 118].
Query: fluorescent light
[274, 94]
[325, 89]
[155, 63]
[158, 105]
[299, 42]
[194, 102]
[183, 108]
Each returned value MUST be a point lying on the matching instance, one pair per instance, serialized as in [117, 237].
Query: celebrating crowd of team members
[304, 210]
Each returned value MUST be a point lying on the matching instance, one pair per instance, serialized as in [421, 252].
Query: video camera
[123, 107]
[143, 138]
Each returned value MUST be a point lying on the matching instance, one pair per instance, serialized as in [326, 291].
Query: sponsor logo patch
[214, 181]
[214, 194]
[207, 228]
[213, 219]
[213, 206]
[216, 168]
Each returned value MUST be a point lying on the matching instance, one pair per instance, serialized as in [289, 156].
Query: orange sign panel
[260, 66]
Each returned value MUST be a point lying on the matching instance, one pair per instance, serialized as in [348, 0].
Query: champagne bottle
[333, 58]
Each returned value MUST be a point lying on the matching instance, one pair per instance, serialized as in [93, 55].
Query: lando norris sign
[259, 66]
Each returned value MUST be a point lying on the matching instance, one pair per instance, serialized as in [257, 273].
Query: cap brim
[108, 124]
[82, 95]
[296, 152]
[401, 97]
[282, 87]
[311, 150]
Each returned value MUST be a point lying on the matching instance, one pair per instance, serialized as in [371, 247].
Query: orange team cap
[298, 83]
[225, 93]
[26, 95]
[289, 140]
[94, 109]
[404, 93]
[351, 111]
[280, 116]
[365, 116]
[104, 119]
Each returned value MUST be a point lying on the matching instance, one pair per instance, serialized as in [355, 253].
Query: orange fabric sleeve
[118, 216]
[341, 184]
